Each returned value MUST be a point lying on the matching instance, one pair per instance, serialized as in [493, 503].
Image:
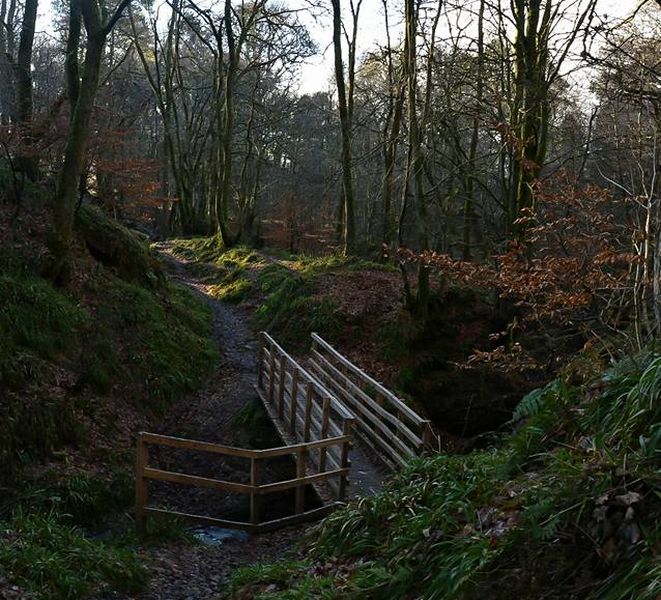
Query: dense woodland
[469, 208]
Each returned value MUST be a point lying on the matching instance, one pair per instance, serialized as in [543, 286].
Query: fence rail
[302, 408]
[255, 489]
[383, 421]
[318, 411]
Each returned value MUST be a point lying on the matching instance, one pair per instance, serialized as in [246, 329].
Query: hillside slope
[567, 507]
[83, 367]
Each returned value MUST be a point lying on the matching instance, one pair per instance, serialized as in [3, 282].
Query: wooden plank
[397, 422]
[175, 442]
[270, 488]
[310, 515]
[410, 413]
[255, 479]
[160, 512]
[216, 484]
[141, 489]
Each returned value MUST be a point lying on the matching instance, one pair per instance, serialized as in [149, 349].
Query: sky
[317, 73]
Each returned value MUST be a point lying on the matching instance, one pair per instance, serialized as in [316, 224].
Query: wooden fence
[383, 421]
[302, 408]
[255, 489]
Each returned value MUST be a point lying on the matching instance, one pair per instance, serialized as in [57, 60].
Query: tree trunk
[344, 101]
[27, 160]
[66, 195]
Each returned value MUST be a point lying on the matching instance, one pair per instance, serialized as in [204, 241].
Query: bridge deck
[343, 430]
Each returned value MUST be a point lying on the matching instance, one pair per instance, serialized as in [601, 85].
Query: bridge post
[428, 436]
[255, 480]
[347, 429]
[325, 414]
[260, 360]
[271, 373]
[294, 401]
[308, 411]
[283, 386]
[301, 457]
[141, 490]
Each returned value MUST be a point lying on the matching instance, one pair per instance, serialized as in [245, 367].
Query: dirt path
[218, 413]
[185, 571]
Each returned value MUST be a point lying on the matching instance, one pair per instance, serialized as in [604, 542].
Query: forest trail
[180, 570]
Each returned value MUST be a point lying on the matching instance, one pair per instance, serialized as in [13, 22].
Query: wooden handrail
[383, 420]
[338, 406]
[385, 392]
[175, 442]
[318, 423]
[255, 489]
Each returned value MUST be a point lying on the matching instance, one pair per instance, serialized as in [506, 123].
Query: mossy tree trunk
[82, 94]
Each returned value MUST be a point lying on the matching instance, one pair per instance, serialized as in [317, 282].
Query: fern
[535, 401]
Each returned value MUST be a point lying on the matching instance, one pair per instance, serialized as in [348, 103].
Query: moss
[158, 336]
[292, 309]
[233, 292]
[153, 345]
[118, 247]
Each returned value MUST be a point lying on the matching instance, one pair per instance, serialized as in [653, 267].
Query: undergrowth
[288, 291]
[54, 560]
[60, 350]
[567, 506]
[81, 367]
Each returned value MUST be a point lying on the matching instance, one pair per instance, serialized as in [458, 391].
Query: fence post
[378, 398]
[271, 373]
[141, 491]
[325, 414]
[294, 401]
[400, 419]
[301, 457]
[255, 479]
[428, 436]
[260, 361]
[347, 429]
[283, 386]
[309, 392]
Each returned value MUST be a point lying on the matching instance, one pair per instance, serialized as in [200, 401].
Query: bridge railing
[255, 489]
[303, 407]
[383, 421]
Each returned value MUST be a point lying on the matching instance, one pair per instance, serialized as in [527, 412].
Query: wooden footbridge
[319, 411]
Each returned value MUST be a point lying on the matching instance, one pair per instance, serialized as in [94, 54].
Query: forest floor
[184, 570]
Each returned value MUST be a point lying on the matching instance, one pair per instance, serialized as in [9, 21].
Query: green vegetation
[291, 298]
[115, 246]
[55, 347]
[294, 303]
[56, 561]
[119, 332]
[567, 506]
[292, 307]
